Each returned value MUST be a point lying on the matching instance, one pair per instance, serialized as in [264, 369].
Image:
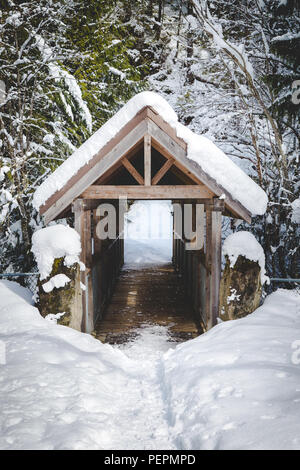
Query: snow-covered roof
[201, 150]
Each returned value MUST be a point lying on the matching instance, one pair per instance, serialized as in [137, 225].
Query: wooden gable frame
[147, 126]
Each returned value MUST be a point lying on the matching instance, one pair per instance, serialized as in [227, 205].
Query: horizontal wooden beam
[129, 167]
[147, 192]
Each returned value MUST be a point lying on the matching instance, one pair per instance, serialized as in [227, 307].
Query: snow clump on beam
[200, 149]
[60, 280]
[56, 241]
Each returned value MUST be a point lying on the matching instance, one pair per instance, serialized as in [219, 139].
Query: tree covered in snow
[63, 69]
[109, 69]
[228, 79]
[42, 113]
[227, 68]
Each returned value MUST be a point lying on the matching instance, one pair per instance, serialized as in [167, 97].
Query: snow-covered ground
[148, 234]
[236, 387]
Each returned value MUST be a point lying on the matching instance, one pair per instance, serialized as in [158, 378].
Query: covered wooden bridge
[138, 155]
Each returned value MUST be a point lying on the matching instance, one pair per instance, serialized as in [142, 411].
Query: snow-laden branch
[236, 52]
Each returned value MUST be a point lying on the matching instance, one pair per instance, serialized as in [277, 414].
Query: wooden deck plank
[148, 296]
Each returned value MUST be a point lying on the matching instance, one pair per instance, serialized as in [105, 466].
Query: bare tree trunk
[190, 78]
[178, 30]
[235, 55]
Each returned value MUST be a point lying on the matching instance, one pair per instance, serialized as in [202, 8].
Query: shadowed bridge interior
[148, 296]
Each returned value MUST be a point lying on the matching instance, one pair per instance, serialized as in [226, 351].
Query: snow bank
[200, 149]
[61, 389]
[149, 220]
[238, 386]
[245, 244]
[56, 241]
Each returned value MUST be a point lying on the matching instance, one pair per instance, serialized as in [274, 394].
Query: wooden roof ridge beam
[130, 168]
[164, 169]
[153, 116]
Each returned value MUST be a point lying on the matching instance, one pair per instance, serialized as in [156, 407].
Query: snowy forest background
[227, 68]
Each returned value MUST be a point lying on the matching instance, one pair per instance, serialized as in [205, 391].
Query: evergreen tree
[66, 67]
[42, 114]
[257, 43]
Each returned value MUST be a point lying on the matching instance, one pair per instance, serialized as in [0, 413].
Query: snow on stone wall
[56, 241]
[245, 244]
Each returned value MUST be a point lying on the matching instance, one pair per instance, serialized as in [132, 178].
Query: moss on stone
[240, 290]
[61, 299]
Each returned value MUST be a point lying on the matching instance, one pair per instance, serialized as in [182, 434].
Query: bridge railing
[106, 267]
[28, 280]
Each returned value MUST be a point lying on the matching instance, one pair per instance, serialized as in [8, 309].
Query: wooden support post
[213, 260]
[147, 160]
[122, 211]
[195, 284]
[216, 264]
[173, 243]
[98, 294]
[201, 289]
[82, 224]
[88, 238]
[97, 241]
[79, 221]
[88, 281]
[208, 310]
[121, 251]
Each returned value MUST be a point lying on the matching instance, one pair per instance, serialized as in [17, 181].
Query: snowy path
[142, 401]
[61, 389]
